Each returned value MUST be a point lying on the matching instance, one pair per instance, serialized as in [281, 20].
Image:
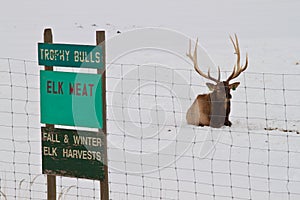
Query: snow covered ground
[153, 153]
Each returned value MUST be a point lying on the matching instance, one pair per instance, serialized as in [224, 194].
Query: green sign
[72, 99]
[68, 55]
[73, 153]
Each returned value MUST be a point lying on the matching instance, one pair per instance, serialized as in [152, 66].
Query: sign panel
[72, 153]
[68, 55]
[72, 99]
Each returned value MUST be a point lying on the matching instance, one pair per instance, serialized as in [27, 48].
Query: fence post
[51, 180]
[104, 189]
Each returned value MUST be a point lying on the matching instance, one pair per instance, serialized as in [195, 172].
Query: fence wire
[152, 152]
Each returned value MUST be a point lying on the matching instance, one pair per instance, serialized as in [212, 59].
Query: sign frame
[101, 69]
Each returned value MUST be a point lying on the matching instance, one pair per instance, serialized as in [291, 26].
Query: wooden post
[104, 189]
[51, 180]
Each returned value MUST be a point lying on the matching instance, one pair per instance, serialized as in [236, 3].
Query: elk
[213, 109]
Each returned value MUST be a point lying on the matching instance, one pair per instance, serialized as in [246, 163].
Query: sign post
[100, 40]
[73, 99]
[51, 180]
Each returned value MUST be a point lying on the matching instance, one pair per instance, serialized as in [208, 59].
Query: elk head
[213, 109]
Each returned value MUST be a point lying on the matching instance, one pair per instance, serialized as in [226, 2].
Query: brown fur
[199, 112]
[211, 109]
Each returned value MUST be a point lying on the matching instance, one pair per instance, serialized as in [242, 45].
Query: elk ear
[233, 86]
[210, 86]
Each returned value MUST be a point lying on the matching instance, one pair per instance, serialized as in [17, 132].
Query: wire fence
[152, 152]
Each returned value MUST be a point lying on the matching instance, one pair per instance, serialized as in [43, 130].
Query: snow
[153, 153]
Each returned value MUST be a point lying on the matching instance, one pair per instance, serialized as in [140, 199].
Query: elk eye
[233, 88]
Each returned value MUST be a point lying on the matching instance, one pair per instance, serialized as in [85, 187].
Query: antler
[195, 61]
[237, 69]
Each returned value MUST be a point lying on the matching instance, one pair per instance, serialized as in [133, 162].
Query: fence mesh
[152, 152]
